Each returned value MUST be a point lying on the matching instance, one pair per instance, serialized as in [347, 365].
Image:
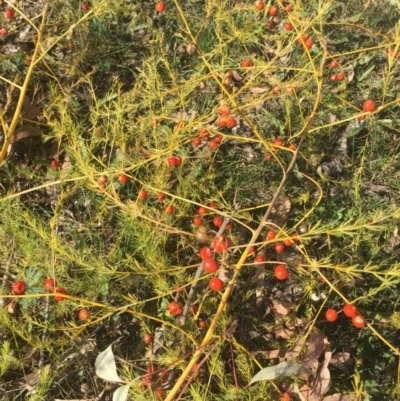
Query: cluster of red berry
[350, 311]
[19, 288]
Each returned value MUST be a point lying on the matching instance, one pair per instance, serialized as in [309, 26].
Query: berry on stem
[19, 287]
[60, 291]
[331, 315]
[216, 284]
[369, 105]
[147, 338]
[84, 314]
[49, 284]
[350, 310]
[160, 6]
[358, 321]
[281, 273]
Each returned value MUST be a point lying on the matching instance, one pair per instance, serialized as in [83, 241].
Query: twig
[8, 136]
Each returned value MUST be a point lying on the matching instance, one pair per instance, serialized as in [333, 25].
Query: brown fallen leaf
[259, 89]
[315, 346]
[282, 307]
[322, 381]
[340, 397]
[29, 111]
[25, 131]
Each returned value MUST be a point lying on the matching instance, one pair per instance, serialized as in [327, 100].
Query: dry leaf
[26, 131]
[315, 346]
[29, 111]
[282, 307]
[258, 89]
[65, 168]
[236, 75]
[340, 397]
[282, 332]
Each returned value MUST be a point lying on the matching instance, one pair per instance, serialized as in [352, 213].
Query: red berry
[55, 164]
[230, 123]
[84, 314]
[259, 5]
[60, 291]
[147, 338]
[175, 308]
[206, 252]
[169, 209]
[288, 242]
[179, 287]
[161, 197]
[288, 26]
[221, 243]
[222, 121]
[213, 144]
[333, 64]
[224, 110]
[271, 235]
[197, 221]
[210, 265]
[218, 221]
[246, 63]
[85, 7]
[19, 287]
[123, 179]
[204, 134]
[260, 258]
[281, 273]
[178, 160]
[358, 321]
[196, 141]
[350, 310]
[218, 139]
[277, 143]
[331, 315]
[49, 284]
[143, 194]
[103, 179]
[252, 249]
[202, 210]
[273, 10]
[289, 8]
[172, 161]
[369, 105]
[340, 76]
[279, 248]
[308, 43]
[268, 157]
[3, 32]
[202, 324]
[216, 284]
[213, 205]
[160, 6]
[9, 13]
